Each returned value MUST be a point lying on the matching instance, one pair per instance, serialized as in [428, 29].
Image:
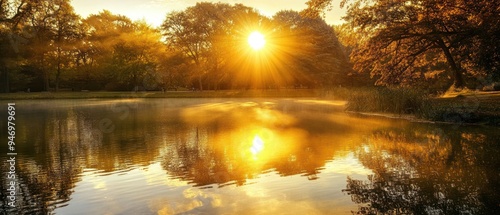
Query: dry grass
[456, 107]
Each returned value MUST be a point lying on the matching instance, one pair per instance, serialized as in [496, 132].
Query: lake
[243, 156]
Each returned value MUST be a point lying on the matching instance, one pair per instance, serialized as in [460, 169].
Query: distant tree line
[46, 46]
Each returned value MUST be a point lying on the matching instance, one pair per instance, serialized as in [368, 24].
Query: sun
[256, 40]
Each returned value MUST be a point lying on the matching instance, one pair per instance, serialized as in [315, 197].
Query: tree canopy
[46, 46]
[300, 51]
[407, 39]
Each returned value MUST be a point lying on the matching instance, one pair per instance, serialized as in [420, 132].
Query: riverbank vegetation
[469, 107]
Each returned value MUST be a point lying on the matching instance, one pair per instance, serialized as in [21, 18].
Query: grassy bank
[288, 93]
[386, 100]
[475, 108]
[471, 107]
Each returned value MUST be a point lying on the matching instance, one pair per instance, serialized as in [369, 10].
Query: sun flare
[256, 40]
[257, 146]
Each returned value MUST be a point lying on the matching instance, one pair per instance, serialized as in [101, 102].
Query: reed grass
[386, 100]
[470, 108]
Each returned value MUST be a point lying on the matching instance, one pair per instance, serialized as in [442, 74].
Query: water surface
[244, 156]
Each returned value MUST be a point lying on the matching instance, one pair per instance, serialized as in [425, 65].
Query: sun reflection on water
[258, 145]
[250, 157]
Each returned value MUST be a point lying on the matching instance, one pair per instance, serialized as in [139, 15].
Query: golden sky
[154, 11]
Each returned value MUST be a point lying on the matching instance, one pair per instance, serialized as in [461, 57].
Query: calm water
[258, 156]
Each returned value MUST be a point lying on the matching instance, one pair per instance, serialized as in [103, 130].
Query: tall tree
[137, 57]
[402, 33]
[311, 50]
[120, 54]
[65, 36]
[54, 27]
[182, 32]
[204, 32]
[12, 14]
[94, 61]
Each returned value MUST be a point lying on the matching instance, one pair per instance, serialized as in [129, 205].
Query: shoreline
[486, 110]
[413, 118]
[281, 93]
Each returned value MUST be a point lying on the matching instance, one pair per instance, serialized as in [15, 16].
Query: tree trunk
[45, 74]
[58, 74]
[4, 71]
[198, 73]
[458, 81]
[199, 83]
[7, 83]
[46, 80]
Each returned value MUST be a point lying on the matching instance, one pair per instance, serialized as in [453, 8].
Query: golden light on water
[258, 145]
[256, 40]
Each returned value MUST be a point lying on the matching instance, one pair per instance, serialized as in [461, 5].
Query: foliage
[206, 33]
[46, 46]
[312, 45]
[43, 40]
[50, 48]
[407, 39]
[122, 54]
[12, 15]
[300, 51]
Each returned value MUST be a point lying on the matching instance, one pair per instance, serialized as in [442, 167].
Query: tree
[231, 28]
[65, 36]
[402, 33]
[53, 27]
[95, 52]
[14, 11]
[12, 14]
[119, 54]
[205, 33]
[183, 33]
[349, 42]
[310, 50]
[174, 68]
[136, 58]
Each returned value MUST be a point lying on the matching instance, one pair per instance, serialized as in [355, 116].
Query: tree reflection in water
[429, 170]
[215, 143]
[203, 143]
[418, 168]
[56, 142]
[47, 164]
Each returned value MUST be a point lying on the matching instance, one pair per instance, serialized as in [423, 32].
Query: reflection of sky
[154, 11]
[151, 190]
